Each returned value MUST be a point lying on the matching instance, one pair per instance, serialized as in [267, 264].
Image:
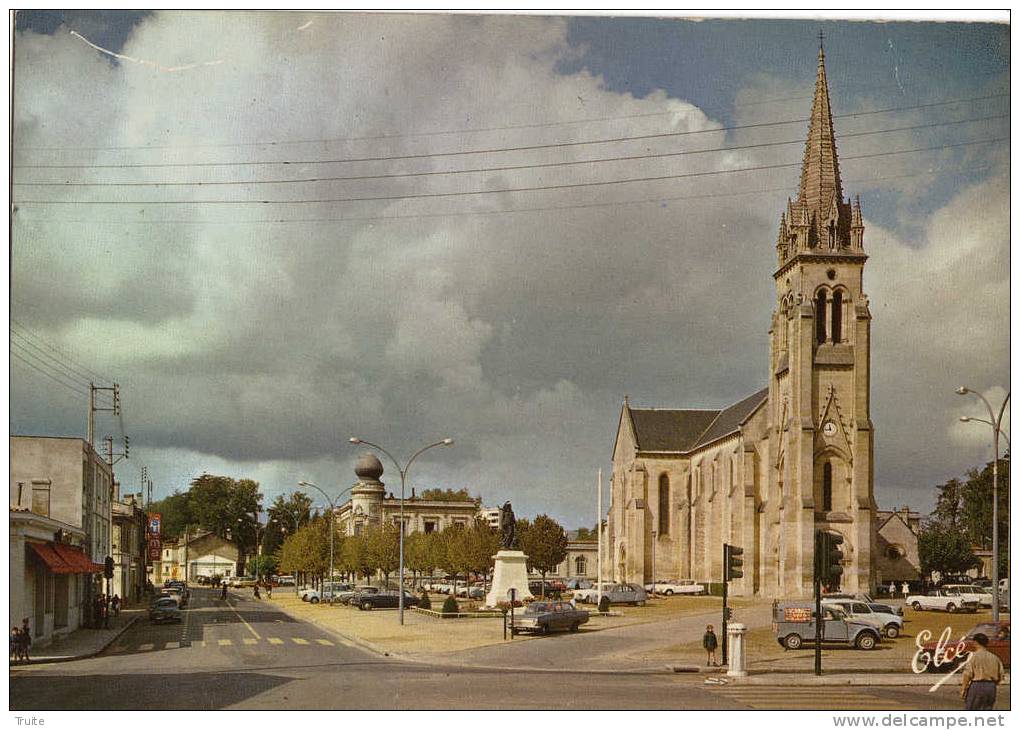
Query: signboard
[154, 535]
[154, 553]
[797, 614]
[155, 523]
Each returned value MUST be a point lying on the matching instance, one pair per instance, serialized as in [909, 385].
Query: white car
[676, 587]
[874, 614]
[587, 595]
[941, 600]
[324, 593]
[983, 596]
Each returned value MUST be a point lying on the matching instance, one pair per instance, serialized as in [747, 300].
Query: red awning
[77, 558]
[45, 551]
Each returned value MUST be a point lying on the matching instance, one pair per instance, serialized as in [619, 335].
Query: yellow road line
[325, 642]
[300, 641]
[249, 641]
[247, 625]
[275, 641]
[225, 642]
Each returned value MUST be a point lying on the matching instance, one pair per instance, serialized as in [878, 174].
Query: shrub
[604, 605]
[424, 601]
[450, 605]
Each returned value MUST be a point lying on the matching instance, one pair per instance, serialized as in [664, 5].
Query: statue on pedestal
[508, 527]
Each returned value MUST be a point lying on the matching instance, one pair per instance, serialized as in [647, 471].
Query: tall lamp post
[403, 482]
[332, 516]
[258, 545]
[996, 424]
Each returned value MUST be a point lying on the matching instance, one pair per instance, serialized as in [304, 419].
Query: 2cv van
[794, 626]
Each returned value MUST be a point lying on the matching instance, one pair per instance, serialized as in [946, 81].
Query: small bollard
[738, 657]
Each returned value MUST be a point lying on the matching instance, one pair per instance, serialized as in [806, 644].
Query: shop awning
[77, 558]
[64, 559]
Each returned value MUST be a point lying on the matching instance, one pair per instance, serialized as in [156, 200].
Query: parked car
[383, 599]
[552, 588]
[676, 587]
[471, 592]
[941, 600]
[573, 584]
[163, 610]
[544, 617]
[793, 624]
[346, 596]
[971, 592]
[326, 592]
[998, 643]
[619, 593]
[983, 582]
[284, 580]
[885, 621]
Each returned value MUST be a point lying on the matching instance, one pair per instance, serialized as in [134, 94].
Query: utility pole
[92, 408]
[599, 523]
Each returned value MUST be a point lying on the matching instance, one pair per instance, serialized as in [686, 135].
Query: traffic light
[728, 615]
[127, 447]
[830, 558]
[108, 568]
[734, 567]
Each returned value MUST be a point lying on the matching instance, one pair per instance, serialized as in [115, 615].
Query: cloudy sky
[278, 230]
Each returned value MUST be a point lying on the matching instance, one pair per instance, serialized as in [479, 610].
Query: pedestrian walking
[223, 591]
[906, 589]
[116, 605]
[892, 589]
[710, 642]
[256, 592]
[981, 677]
[269, 590]
[26, 639]
[15, 643]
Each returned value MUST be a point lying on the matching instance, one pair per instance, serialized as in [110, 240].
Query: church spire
[819, 177]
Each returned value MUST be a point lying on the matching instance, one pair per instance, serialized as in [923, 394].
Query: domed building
[371, 503]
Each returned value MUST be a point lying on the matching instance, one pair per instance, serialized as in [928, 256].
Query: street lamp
[403, 482]
[332, 516]
[996, 425]
[258, 545]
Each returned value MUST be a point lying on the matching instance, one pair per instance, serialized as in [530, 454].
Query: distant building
[61, 494]
[370, 504]
[490, 515]
[896, 557]
[203, 553]
[128, 546]
[582, 561]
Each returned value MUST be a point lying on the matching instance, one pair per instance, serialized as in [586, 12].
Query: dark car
[383, 599]
[543, 617]
[998, 644]
[163, 610]
[553, 588]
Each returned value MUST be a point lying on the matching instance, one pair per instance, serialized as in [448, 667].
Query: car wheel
[365, 606]
[640, 603]
[793, 641]
[916, 605]
[892, 631]
[865, 641]
[574, 627]
[313, 599]
[669, 592]
[951, 608]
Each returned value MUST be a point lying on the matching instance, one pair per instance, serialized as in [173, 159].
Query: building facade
[371, 504]
[128, 546]
[896, 557]
[796, 457]
[582, 561]
[192, 555]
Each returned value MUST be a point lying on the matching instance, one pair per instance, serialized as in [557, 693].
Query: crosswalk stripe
[225, 642]
[146, 647]
[300, 641]
[248, 640]
[325, 642]
[275, 641]
[172, 645]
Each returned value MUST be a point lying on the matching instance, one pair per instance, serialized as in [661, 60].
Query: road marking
[172, 645]
[275, 641]
[225, 642]
[247, 625]
[146, 647]
[300, 641]
[325, 642]
[804, 698]
[249, 641]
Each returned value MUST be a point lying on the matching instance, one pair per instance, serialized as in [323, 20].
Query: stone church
[795, 457]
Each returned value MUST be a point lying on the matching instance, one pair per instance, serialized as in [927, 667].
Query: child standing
[710, 642]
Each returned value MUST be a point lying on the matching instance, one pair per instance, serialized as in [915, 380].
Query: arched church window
[827, 487]
[580, 565]
[837, 316]
[664, 504]
[820, 317]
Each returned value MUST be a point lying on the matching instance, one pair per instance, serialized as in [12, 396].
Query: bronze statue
[508, 527]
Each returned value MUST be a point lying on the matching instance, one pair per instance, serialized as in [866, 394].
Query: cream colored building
[370, 503]
[766, 473]
[896, 557]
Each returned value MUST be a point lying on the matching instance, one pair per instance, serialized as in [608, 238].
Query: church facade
[795, 457]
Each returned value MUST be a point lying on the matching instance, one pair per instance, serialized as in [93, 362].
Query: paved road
[244, 654]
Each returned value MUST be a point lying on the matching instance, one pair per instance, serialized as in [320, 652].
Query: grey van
[794, 626]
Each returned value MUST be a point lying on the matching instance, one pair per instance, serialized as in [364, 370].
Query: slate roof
[681, 430]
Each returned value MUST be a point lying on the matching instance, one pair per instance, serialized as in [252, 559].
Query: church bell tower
[820, 432]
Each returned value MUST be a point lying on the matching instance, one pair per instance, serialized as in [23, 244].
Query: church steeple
[819, 177]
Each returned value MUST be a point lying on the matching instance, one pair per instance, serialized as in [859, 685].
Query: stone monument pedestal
[511, 571]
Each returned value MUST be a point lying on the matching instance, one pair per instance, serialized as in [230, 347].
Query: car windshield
[537, 607]
[878, 607]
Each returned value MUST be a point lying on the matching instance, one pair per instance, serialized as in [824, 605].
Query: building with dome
[372, 503]
[768, 472]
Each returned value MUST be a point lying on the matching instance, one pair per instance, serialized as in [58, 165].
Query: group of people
[21, 642]
[103, 608]
[892, 589]
[268, 585]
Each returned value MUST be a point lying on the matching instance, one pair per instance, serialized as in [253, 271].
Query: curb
[76, 657]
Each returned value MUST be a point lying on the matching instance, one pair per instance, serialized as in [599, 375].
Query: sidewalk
[83, 643]
[863, 679]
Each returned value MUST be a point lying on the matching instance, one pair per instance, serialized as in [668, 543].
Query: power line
[32, 368]
[504, 168]
[39, 339]
[491, 150]
[534, 188]
[540, 209]
[26, 358]
[21, 341]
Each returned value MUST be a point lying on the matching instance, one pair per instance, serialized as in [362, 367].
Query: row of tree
[457, 551]
[962, 521]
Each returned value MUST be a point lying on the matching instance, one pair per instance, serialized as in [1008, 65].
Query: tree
[382, 545]
[227, 506]
[545, 544]
[480, 545]
[586, 535]
[175, 513]
[942, 547]
[450, 550]
[448, 495]
[420, 553]
[263, 565]
[354, 556]
[285, 516]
